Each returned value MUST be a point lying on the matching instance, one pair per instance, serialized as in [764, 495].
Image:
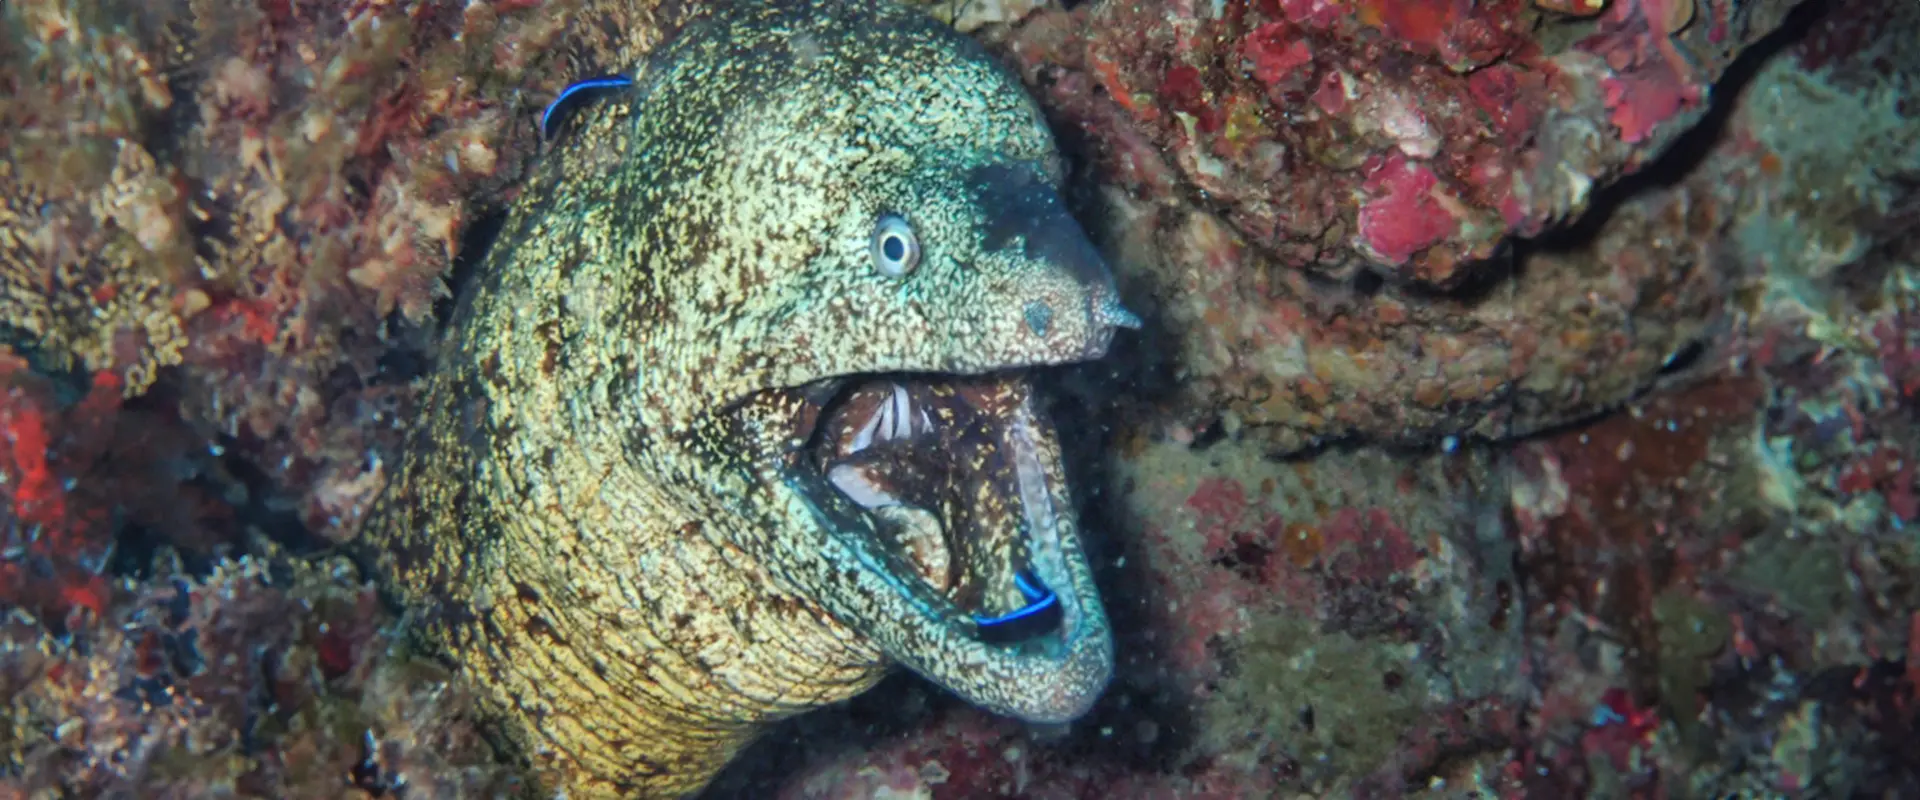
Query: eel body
[731, 417]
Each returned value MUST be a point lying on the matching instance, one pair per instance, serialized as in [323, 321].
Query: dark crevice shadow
[1128, 384]
[1321, 446]
[1478, 281]
[1368, 282]
[134, 545]
[475, 241]
[164, 133]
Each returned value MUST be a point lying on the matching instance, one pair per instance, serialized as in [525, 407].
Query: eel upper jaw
[934, 626]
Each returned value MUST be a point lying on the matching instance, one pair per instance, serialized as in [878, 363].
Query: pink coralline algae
[1334, 238]
[1641, 102]
[1269, 109]
[1275, 55]
[1653, 80]
[1404, 217]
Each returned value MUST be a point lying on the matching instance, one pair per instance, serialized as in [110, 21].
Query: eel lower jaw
[946, 513]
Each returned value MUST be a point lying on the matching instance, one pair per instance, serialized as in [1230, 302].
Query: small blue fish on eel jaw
[1039, 599]
[1026, 620]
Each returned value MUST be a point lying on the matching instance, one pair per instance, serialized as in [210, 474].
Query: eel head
[870, 244]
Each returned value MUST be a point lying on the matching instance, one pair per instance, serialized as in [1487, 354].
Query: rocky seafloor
[1525, 406]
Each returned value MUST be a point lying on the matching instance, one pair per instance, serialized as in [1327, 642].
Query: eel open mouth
[982, 582]
[955, 491]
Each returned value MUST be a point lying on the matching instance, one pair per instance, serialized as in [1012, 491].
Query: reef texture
[223, 227]
[1409, 138]
[1665, 545]
[1361, 166]
[235, 684]
[268, 196]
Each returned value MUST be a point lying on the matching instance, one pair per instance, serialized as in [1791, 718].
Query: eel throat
[962, 483]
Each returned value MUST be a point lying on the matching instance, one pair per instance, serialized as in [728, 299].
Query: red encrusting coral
[37, 499]
[1404, 215]
[54, 550]
[1469, 92]
[1277, 55]
[1620, 730]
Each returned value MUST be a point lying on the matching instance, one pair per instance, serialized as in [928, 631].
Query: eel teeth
[894, 419]
[902, 413]
[864, 439]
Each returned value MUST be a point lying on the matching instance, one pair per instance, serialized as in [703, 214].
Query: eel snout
[977, 569]
[1065, 301]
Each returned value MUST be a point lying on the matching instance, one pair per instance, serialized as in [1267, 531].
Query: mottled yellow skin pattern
[601, 518]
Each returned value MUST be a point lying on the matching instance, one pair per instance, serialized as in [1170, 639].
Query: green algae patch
[1335, 704]
[1806, 575]
[1690, 633]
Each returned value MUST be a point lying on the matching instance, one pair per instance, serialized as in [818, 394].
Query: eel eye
[895, 249]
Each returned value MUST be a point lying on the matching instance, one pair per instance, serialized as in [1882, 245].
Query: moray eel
[732, 415]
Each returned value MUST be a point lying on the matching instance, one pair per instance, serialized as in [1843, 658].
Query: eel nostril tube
[1107, 309]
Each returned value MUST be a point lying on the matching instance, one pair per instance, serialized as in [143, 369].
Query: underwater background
[1524, 401]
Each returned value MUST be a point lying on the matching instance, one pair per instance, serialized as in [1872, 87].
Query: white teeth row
[894, 420]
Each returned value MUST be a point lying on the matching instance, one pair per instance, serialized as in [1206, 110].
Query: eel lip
[949, 496]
